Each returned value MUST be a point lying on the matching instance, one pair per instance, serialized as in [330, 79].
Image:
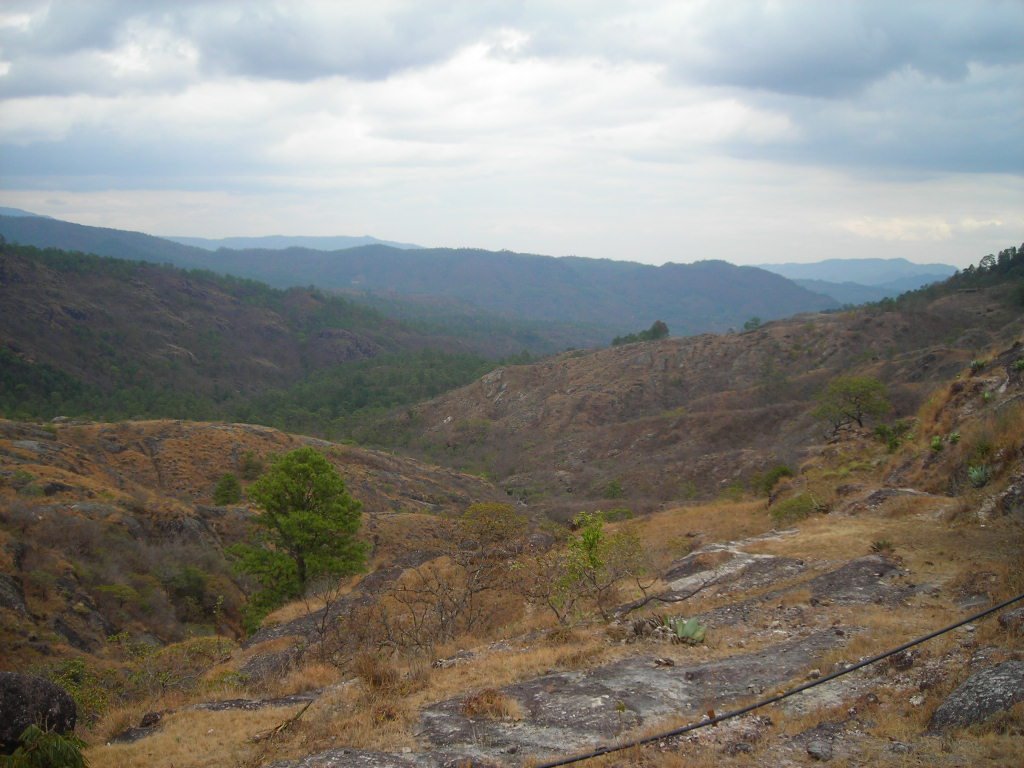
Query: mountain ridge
[615, 297]
[281, 242]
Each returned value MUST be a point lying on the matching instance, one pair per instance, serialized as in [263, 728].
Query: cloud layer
[651, 131]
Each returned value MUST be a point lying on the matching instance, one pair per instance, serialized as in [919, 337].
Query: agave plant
[686, 630]
[979, 475]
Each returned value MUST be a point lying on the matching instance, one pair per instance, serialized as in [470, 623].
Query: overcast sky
[673, 131]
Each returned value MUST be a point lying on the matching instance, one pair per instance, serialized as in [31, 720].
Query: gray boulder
[981, 695]
[29, 700]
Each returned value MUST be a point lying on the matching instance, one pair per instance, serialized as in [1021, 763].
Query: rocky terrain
[901, 549]
[87, 507]
[115, 582]
[644, 424]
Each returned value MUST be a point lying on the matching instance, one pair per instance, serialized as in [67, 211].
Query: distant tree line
[1007, 266]
[657, 331]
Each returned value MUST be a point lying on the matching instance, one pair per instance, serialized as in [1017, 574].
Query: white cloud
[932, 228]
[652, 131]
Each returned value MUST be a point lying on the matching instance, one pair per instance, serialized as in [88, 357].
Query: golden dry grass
[491, 704]
[194, 739]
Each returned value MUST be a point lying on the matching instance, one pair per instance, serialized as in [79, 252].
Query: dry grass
[313, 676]
[675, 532]
[194, 739]
[491, 704]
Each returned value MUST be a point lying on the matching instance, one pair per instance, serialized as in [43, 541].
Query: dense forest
[94, 337]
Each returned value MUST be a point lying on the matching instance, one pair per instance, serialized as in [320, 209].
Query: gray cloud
[608, 105]
[841, 48]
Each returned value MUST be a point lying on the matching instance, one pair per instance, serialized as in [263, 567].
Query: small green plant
[1018, 365]
[936, 444]
[689, 631]
[977, 365]
[795, 508]
[954, 438]
[979, 475]
[613, 490]
[228, 490]
[45, 749]
[763, 483]
[21, 478]
[892, 434]
[986, 397]
[251, 466]
[616, 515]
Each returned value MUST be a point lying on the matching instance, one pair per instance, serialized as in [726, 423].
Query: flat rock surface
[569, 711]
[981, 696]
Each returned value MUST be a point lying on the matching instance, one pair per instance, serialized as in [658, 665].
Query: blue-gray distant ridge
[859, 281]
[19, 213]
[280, 242]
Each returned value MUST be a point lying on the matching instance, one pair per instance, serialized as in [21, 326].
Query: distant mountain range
[857, 281]
[585, 302]
[18, 213]
[279, 242]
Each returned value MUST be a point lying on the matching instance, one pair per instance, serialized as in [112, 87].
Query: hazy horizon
[752, 132]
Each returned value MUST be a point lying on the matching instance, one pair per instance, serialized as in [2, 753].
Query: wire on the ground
[607, 750]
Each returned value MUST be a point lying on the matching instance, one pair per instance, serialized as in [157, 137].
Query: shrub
[90, 690]
[45, 749]
[228, 490]
[977, 365]
[979, 475]
[936, 443]
[251, 466]
[1018, 365]
[616, 515]
[794, 508]
[763, 483]
[892, 434]
[613, 490]
[376, 672]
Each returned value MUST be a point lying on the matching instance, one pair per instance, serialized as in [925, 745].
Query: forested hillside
[82, 335]
[584, 299]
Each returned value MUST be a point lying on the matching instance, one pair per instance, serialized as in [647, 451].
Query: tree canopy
[849, 400]
[307, 528]
[658, 330]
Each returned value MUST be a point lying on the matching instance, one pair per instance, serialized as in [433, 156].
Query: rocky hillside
[85, 335]
[910, 540]
[644, 424]
[111, 528]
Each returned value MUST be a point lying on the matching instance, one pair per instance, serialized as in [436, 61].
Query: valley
[694, 468]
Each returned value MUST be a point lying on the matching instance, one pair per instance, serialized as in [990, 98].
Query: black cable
[778, 697]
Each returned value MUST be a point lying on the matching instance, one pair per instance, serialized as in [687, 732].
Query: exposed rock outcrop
[29, 700]
[981, 696]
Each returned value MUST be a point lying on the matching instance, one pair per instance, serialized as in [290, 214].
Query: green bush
[763, 483]
[794, 508]
[616, 515]
[979, 475]
[613, 490]
[251, 466]
[46, 749]
[892, 434]
[228, 490]
[936, 443]
[91, 691]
